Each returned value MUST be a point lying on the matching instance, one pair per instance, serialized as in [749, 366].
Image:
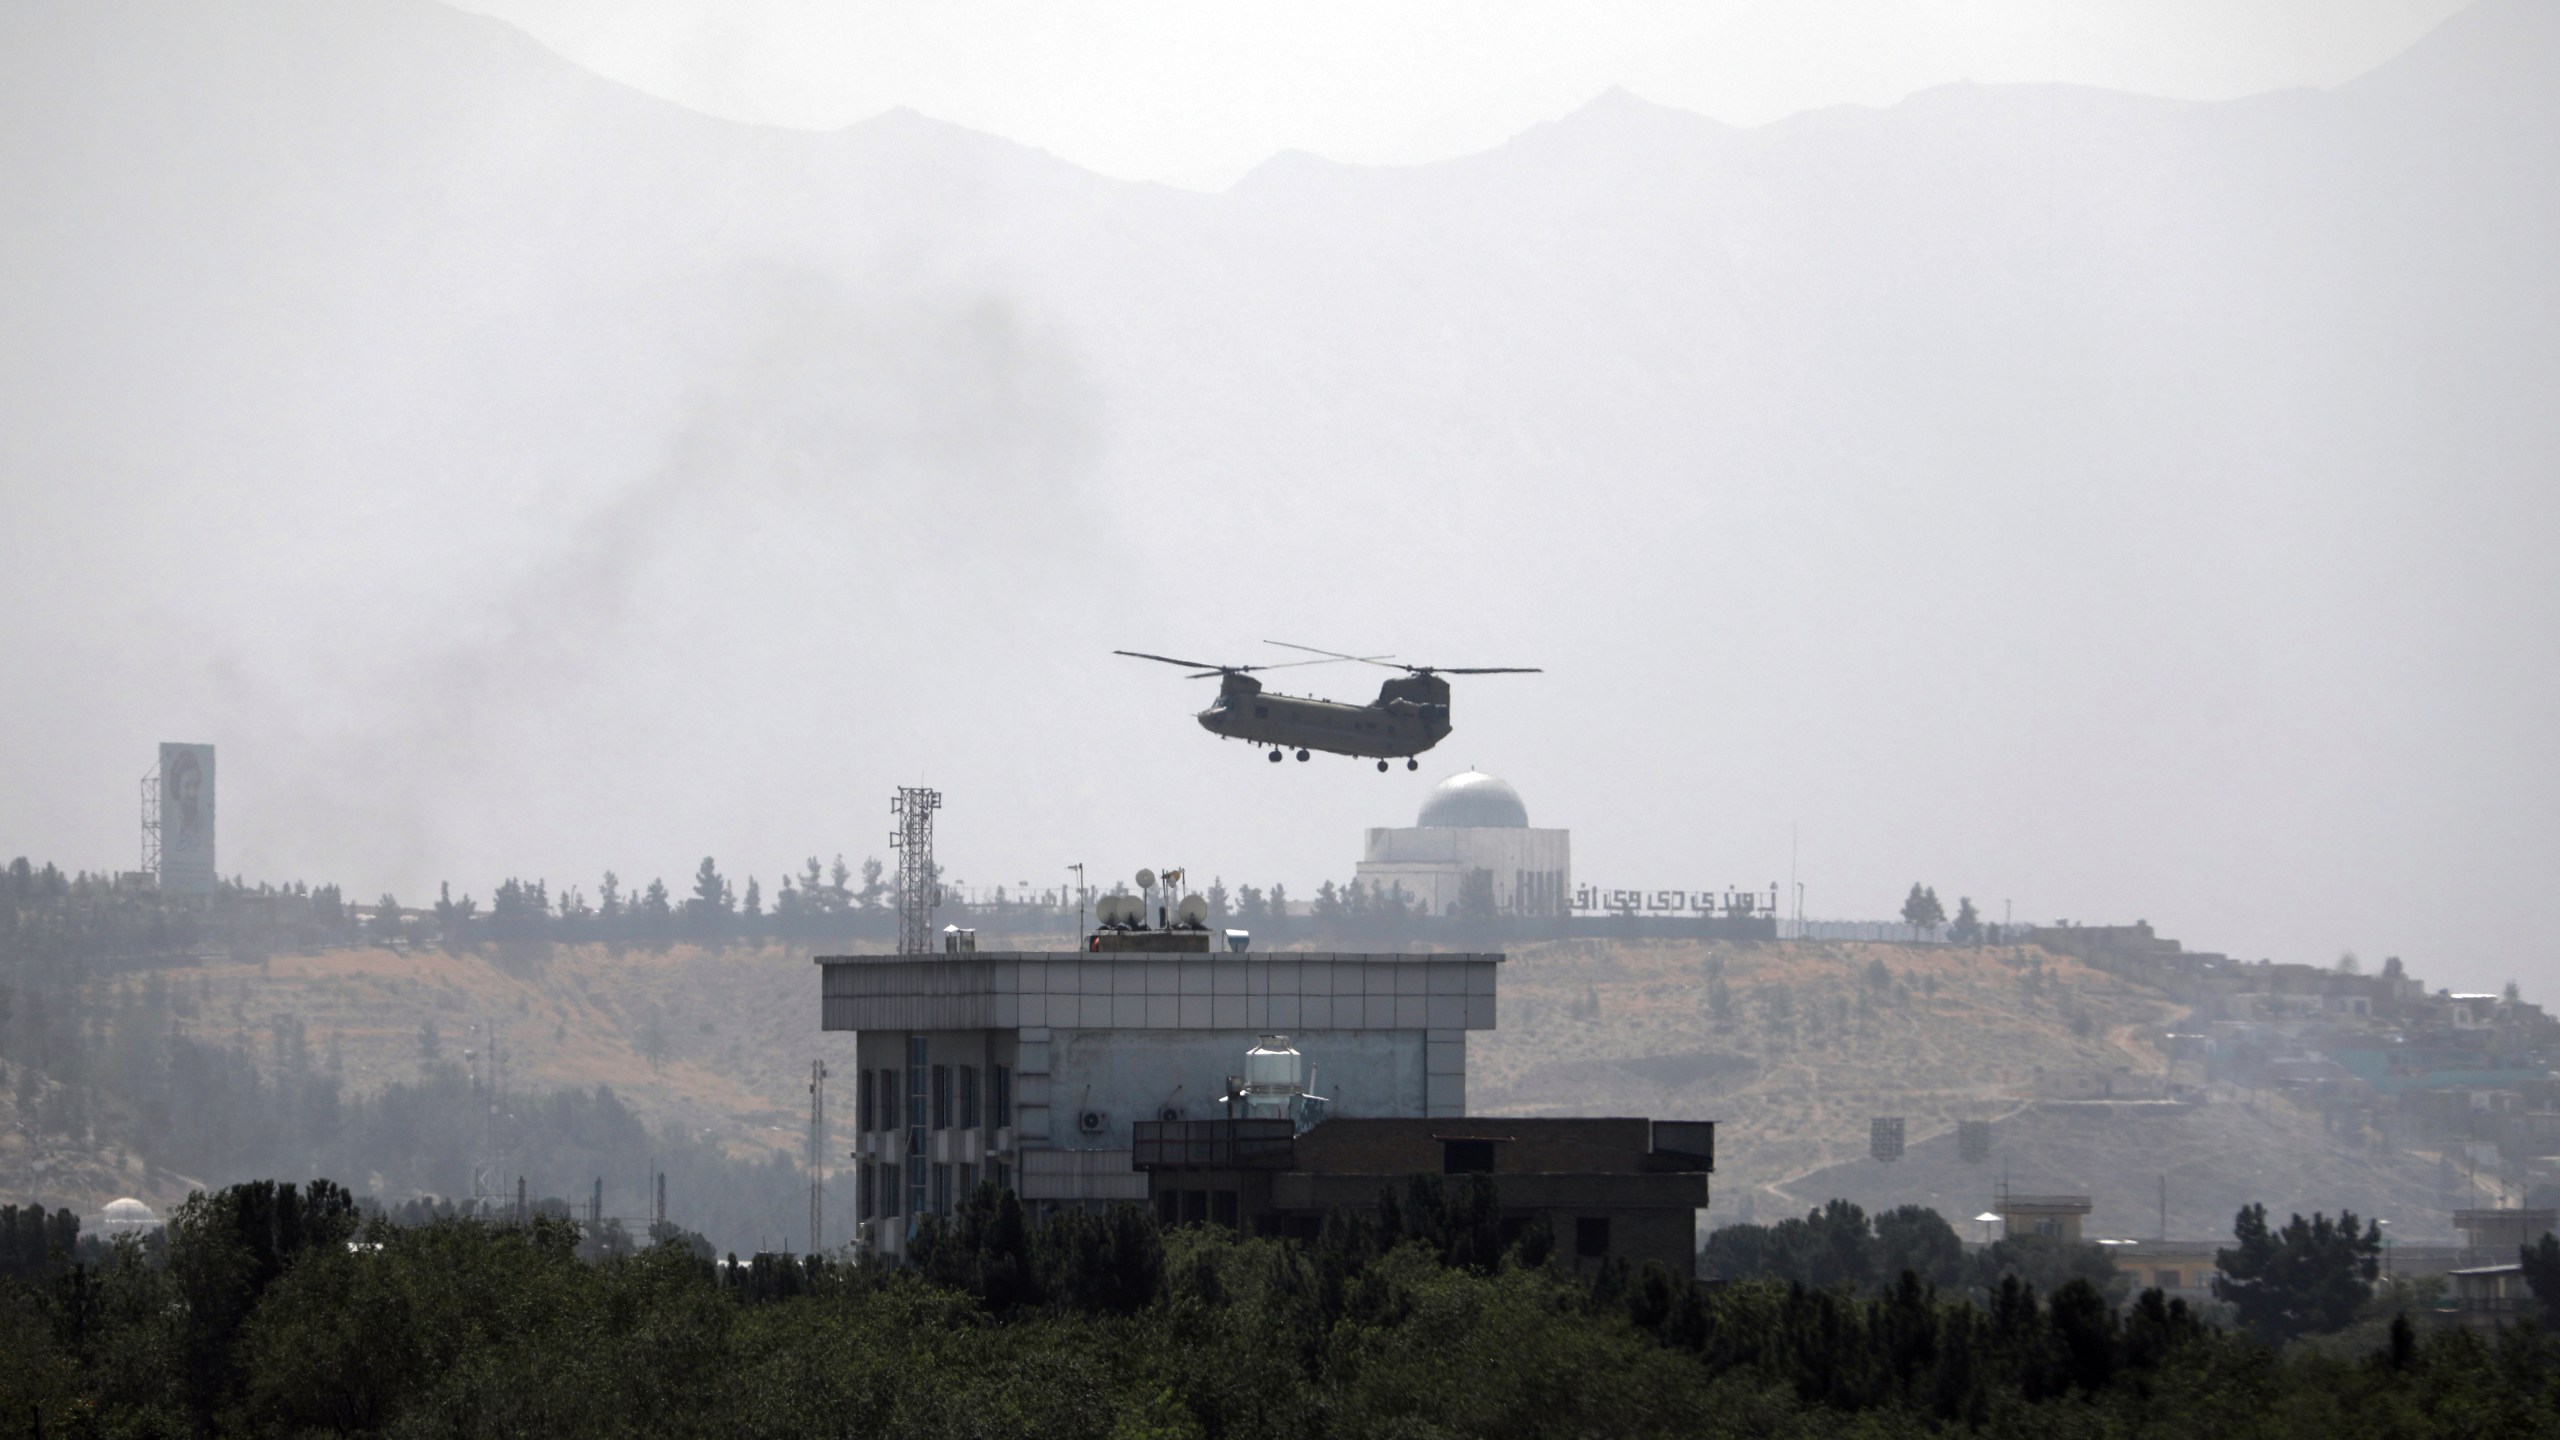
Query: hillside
[716, 1044]
[1814, 1040]
[1812, 1049]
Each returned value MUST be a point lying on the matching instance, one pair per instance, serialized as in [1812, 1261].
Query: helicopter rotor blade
[1294, 664]
[1169, 660]
[1487, 669]
[1381, 661]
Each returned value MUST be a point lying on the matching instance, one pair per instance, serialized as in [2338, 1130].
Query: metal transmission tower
[913, 840]
[817, 1154]
[488, 1061]
[151, 825]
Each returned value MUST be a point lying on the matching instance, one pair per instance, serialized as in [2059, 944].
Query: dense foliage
[1838, 1245]
[279, 1311]
[2306, 1279]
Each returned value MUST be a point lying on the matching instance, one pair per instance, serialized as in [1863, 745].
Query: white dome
[1473, 800]
[128, 1215]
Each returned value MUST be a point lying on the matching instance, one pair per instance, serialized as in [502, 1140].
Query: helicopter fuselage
[1410, 715]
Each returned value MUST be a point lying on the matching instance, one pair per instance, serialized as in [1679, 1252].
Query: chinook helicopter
[1410, 715]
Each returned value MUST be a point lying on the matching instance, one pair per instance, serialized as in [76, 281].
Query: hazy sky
[1196, 94]
[2126, 507]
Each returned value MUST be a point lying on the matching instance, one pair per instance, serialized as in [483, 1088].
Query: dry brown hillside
[719, 1042]
[1816, 1040]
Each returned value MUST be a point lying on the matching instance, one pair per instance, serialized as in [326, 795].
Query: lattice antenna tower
[489, 1088]
[151, 824]
[817, 1154]
[912, 810]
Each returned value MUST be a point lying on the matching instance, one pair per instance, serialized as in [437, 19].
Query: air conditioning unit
[1169, 1114]
[1092, 1122]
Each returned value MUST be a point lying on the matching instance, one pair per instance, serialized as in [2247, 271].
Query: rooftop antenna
[912, 809]
[1079, 869]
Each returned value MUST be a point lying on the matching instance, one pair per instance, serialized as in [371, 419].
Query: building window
[1222, 1208]
[941, 1189]
[968, 1182]
[917, 1067]
[888, 1111]
[1591, 1237]
[941, 1097]
[862, 1183]
[1002, 1174]
[1466, 1157]
[889, 1190]
[968, 1097]
[2165, 1279]
[862, 1111]
[1000, 1095]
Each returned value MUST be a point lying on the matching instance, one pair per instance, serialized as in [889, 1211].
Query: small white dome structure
[1473, 800]
[127, 1216]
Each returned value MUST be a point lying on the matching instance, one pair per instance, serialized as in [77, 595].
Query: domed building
[1472, 822]
[127, 1216]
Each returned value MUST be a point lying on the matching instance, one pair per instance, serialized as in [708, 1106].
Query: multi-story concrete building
[1029, 1068]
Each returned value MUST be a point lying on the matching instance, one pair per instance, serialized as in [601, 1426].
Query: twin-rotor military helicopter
[1410, 715]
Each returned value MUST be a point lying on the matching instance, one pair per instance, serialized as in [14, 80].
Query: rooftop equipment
[1271, 1087]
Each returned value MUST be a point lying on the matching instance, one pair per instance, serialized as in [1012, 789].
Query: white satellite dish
[1119, 909]
[1146, 879]
[1193, 911]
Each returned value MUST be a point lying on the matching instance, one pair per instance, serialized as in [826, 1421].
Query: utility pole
[1079, 869]
[1795, 886]
[817, 1154]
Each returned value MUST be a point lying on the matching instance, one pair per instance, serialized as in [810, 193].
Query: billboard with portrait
[186, 819]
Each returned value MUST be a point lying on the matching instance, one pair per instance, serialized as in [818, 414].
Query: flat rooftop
[1282, 991]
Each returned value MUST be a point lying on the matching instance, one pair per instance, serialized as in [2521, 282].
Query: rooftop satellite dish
[1193, 911]
[1146, 879]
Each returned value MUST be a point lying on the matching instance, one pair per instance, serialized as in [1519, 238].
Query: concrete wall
[1132, 1075]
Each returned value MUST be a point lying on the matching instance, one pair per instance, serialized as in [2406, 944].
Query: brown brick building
[1624, 1188]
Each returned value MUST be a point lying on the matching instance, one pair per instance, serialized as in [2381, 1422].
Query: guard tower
[2056, 1217]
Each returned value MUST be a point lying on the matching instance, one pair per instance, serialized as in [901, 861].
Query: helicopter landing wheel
[1413, 764]
[1275, 754]
[1382, 767]
[1302, 754]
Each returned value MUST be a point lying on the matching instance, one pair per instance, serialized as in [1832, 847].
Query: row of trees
[277, 1310]
[2308, 1277]
[49, 916]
